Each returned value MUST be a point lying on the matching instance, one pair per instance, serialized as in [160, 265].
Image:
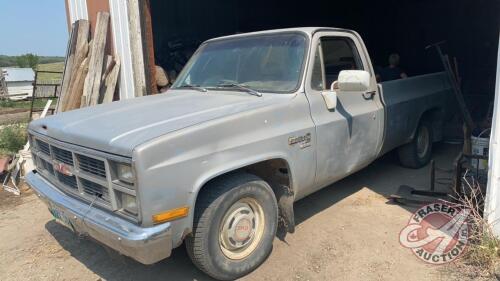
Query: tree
[27, 60]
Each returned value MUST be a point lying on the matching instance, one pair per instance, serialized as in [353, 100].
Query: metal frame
[33, 96]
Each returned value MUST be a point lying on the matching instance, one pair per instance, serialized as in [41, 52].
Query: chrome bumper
[147, 245]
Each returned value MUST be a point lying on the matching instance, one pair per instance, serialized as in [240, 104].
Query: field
[49, 78]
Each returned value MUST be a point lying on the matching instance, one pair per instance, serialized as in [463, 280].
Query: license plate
[60, 217]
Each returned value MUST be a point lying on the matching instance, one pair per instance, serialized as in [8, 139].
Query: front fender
[173, 168]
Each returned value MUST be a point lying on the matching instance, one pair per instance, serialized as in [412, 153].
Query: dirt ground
[347, 231]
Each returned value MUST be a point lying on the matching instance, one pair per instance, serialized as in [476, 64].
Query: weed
[483, 255]
[12, 138]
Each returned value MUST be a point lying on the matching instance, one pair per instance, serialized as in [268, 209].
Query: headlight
[129, 203]
[124, 173]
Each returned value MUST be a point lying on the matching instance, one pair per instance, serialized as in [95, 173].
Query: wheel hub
[241, 229]
[422, 141]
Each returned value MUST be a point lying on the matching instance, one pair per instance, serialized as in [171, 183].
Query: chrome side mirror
[330, 96]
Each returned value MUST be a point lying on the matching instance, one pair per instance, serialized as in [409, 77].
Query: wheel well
[435, 116]
[276, 172]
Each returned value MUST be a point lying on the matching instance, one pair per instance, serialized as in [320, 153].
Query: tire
[418, 152]
[222, 244]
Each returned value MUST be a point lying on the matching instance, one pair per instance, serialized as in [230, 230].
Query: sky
[33, 26]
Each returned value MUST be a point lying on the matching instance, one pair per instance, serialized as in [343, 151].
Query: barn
[19, 82]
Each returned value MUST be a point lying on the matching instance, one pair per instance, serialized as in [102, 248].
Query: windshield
[267, 63]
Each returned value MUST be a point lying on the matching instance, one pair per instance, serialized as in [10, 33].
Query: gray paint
[180, 140]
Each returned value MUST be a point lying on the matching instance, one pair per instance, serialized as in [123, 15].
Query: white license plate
[60, 217]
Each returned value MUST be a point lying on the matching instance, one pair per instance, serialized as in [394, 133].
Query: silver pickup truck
[253, 123]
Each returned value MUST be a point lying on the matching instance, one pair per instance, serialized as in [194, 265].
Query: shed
[19, 82]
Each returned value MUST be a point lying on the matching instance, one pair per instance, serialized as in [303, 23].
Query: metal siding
[14, 74]
[77, 10]
[121, 40]
[492, 192]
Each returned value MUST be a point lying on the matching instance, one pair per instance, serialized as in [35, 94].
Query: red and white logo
[62, 168]
[437, 233]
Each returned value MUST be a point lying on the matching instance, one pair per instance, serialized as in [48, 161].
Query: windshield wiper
[197, 88]
[241, 87]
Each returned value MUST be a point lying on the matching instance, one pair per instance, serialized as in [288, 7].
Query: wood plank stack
[90, 76]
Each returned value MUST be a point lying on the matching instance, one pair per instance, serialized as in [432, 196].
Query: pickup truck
[253, 123]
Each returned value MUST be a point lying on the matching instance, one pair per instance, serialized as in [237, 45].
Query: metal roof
[13, 74]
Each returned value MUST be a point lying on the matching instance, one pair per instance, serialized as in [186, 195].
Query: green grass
[50, 77]
[12, 138]
[39, 103]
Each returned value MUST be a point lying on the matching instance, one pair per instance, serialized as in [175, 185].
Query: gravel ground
[347, 231]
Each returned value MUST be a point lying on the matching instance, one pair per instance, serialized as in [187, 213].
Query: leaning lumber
[77, 53]
[93, 81]
[80, 57]
[77, 87]
[108, 89]
[68, 64]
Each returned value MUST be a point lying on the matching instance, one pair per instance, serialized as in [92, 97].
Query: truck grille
[82, 175]
[91, 165]
[43, 146]
[62, 155]
[94, 189]
[69, 181]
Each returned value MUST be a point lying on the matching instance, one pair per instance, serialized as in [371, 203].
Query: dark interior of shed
[470, 29]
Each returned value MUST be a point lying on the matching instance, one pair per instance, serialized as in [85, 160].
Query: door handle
[369, 95]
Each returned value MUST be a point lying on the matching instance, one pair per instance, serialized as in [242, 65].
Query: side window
[339, 54]
[317, 72]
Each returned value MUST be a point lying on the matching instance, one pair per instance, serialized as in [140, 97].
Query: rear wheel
[234, 226]
[417, 153]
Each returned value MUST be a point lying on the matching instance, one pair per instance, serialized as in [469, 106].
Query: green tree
[27, 60]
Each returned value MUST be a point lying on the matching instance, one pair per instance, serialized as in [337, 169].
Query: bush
[12, 138]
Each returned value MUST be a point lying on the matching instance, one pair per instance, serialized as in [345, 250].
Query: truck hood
[118, 127]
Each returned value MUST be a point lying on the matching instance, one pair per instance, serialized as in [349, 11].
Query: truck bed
[406, 100]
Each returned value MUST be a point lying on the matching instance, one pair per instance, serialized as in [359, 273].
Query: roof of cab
[307, 30]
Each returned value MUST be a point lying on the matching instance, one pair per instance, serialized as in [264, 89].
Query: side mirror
[354, 81]
[330, 96]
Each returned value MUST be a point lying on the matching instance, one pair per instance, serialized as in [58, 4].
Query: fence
[45, 89]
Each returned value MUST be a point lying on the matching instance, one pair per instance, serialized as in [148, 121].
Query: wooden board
[80, 55]
[77, 87]
[110, 82]
[68, 64]
[93, 81]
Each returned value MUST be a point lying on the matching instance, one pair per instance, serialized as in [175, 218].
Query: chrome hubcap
[241, 228]
[423, 140]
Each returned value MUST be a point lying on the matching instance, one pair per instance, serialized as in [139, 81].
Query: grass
[39, 103]
[50, 77]
[12, 138]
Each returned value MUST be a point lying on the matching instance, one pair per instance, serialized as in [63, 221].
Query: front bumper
[147, 245]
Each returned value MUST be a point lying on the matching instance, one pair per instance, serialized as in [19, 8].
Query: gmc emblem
[63, 169]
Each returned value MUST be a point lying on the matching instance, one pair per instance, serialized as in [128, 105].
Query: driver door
[349, 137]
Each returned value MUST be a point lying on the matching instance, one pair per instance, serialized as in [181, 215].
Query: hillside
[11, 60]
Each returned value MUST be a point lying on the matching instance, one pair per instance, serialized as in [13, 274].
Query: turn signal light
[171, 215]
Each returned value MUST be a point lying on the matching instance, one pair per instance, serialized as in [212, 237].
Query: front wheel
[417, 153]
[234, 226]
